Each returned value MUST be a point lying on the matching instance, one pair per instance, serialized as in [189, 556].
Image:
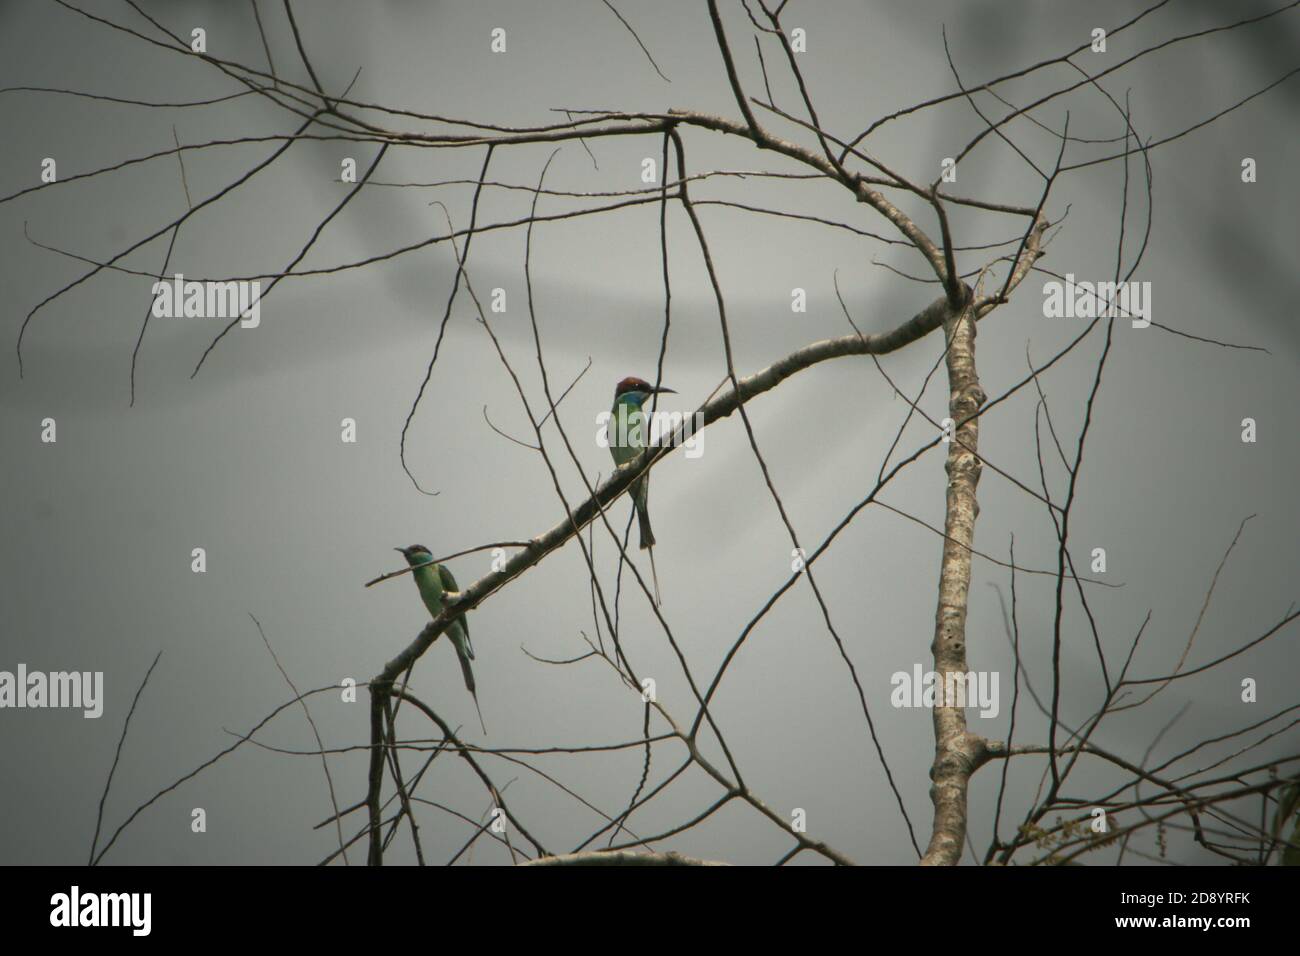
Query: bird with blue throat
[627, 439]
[434, 581]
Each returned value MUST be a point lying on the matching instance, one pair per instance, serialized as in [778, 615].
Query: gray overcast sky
[245, 459]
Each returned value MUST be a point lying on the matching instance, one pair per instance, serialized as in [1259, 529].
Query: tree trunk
[957, 753]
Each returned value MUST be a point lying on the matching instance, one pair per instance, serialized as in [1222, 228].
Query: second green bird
[433, 581]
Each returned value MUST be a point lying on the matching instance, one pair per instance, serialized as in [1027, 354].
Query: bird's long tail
[468, 673]
[654, 575]
[480, 713]
[643, 518]
[465, 670]
[641, 505]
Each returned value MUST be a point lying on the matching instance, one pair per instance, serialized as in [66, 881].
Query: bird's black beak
[401, 551]
[661, 390]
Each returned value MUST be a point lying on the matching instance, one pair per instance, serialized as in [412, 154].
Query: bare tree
[791, 146]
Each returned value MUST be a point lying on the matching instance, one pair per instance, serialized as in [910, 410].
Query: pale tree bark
[957, 752]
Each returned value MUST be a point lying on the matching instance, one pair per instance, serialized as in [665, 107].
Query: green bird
[627, 439]
[434, 580]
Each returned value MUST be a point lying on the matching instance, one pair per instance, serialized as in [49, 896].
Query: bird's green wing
[449, 583]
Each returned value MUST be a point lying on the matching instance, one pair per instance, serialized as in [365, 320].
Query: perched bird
[434, 580]
[627, 440]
